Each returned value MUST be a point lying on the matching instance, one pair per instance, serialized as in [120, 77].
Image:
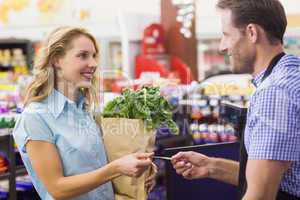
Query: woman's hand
[150, 181]
[134, 165]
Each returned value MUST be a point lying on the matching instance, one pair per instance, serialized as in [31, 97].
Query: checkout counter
[179, 188]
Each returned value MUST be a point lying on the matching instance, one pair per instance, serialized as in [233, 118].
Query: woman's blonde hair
[44, 80]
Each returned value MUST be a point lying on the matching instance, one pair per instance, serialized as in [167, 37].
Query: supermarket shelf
[4, 132]
[4, 137]
[20, 171]
[174, 141]
[7, 147]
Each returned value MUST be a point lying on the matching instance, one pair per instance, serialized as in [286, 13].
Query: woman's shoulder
[32, 124]
[36, 108]
[33, 113]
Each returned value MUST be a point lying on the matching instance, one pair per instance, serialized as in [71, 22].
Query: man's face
[235, 44]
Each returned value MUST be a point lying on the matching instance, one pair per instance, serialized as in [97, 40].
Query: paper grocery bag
[121, 137]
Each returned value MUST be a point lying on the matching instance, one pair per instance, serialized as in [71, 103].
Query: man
[253, 38]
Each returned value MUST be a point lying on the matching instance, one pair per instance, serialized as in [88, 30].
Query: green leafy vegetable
[146, 104]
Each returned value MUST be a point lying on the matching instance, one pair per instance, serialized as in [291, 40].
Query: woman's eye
[83, 55]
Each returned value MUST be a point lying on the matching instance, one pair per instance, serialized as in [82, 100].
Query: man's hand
[191, 165]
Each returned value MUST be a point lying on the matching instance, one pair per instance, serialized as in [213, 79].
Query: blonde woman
[56, 135]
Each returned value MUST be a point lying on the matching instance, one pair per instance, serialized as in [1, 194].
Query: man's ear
[252, 32]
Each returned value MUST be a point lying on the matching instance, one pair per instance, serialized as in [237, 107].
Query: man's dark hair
[269, 14]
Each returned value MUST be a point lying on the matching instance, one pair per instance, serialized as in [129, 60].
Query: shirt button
[83, 122]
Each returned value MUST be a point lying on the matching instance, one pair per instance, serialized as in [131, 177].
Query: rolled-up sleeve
[274, 126]
[31, 126]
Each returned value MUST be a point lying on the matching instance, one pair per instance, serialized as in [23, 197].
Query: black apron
[244, 155]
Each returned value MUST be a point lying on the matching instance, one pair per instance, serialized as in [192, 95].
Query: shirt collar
[256, 81]
[56, 102]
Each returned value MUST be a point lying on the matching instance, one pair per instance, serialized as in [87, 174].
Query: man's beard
[243, 65]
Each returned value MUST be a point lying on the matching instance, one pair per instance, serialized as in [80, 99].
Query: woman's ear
[55, 63]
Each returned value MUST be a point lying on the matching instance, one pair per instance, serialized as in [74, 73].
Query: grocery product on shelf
[3, 190]
[24, 187]
[200, 107]
[7, 122]
[13, 59]
[3, 163]
[212, 133]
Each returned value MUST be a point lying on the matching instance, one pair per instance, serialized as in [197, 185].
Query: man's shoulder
[288, 67]
[289, 60]
[285, 78]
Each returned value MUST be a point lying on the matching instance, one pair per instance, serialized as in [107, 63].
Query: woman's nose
[93, 62]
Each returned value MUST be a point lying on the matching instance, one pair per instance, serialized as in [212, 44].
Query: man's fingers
[182, 164]
[182, 156]
[179, 164]
[178, 156]
[187, 173]
[180, 170]
[188, 165]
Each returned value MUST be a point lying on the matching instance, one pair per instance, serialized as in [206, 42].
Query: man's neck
[264, 57]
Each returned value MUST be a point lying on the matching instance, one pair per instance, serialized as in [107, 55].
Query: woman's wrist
[114, 169]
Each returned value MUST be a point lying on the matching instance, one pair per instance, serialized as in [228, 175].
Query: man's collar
[256, 81]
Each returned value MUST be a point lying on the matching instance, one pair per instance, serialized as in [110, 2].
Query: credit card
[162, 157]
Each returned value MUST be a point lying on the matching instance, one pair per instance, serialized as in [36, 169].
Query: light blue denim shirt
[75, 134]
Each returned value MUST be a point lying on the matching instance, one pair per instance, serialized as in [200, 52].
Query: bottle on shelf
[231, 133]
[203, 129]
[224, 137]
[213, 134]
[6, 58]
[196, 135]
[214, 103]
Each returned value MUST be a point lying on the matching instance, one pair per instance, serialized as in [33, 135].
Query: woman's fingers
[144, 155]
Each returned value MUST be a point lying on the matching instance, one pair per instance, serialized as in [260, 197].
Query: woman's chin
[84, 84]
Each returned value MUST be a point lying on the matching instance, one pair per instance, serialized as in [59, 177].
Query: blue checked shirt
[273, 120]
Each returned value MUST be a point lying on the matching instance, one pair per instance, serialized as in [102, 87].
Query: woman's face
[78, 65]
